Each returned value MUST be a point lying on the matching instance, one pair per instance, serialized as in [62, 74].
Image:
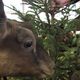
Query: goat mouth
[45, 74]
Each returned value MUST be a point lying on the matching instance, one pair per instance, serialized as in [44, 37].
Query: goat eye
[28, 44]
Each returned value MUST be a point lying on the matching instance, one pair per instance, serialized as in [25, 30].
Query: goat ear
[2, 12]
[3, 25]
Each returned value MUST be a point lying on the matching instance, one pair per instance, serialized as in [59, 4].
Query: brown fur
[15, 59]
[20, 55]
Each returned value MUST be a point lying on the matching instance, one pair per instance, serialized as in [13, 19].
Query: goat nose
[27, 44]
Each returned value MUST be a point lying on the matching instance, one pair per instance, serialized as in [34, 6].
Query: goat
[20, 55]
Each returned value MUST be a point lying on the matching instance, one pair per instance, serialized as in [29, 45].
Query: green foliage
[54, 36]
[24, 17]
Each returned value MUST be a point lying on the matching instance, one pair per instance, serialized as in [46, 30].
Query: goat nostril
[27, 44]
